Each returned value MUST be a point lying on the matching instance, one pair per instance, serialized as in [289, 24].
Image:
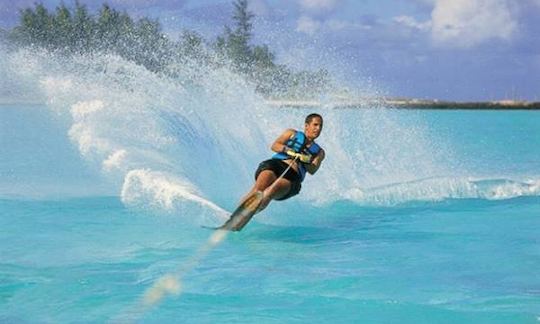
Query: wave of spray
[438, 189]
[162, 132]
[203, 132]
[192, 142]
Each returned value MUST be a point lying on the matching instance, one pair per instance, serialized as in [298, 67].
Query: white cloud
[318, 4]
[466, 23]
[337, 25]
[320, 9]
[410, 22]
[307, 25]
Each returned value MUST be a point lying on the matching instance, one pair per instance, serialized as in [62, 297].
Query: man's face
[313, 129]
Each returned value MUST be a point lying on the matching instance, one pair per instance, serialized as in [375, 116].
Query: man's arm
[279, 144]
[316, 163]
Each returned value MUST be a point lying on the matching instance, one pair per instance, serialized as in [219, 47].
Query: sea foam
[206, 128]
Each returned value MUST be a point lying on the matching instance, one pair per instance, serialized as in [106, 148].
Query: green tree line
[75, 30]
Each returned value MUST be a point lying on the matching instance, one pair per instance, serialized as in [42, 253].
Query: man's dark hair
[310, 117]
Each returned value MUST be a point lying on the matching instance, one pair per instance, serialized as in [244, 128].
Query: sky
[462, 50]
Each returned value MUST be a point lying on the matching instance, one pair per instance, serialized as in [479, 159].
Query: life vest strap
[298, 143]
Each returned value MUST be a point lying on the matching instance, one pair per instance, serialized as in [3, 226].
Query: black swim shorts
[278, 167]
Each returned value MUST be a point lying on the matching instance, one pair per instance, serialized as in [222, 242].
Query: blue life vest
[298, 144]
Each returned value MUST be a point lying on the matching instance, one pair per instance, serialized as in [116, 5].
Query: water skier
[281, 176]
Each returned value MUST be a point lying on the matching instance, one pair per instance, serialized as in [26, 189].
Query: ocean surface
[105, 180]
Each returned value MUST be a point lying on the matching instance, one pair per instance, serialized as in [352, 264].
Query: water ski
[241, 216]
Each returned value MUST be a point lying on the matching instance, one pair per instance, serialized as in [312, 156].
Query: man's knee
[265, 179]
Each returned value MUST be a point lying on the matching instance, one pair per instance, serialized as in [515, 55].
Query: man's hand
[304, 158]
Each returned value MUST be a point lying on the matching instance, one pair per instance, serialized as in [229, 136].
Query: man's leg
[265, 179]
[276, 191]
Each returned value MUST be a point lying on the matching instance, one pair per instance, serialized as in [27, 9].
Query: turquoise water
[85, 260]
[89, 258]
[414, 217]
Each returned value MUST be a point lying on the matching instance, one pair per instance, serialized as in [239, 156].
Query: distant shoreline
[486, 105]
[411, 104]
[372, 103]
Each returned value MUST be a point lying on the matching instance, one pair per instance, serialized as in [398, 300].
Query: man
[295, 149]
[280, 177]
